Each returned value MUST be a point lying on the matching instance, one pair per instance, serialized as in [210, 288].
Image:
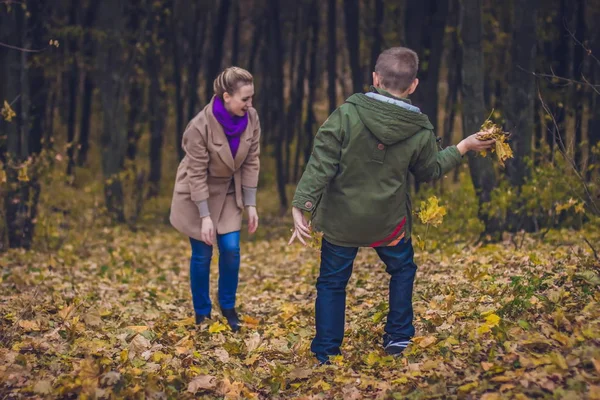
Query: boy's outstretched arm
[321, 168]
[430, 164]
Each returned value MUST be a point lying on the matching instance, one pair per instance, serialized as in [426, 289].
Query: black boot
[201, 318]
[232, 319]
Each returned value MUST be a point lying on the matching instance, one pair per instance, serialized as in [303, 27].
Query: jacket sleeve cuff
[304, 203]
[203, 208]
[249, 196]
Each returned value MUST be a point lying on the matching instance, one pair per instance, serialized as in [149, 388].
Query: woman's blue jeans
[229, 268]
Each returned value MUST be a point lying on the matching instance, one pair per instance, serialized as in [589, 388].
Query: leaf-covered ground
[112, 318]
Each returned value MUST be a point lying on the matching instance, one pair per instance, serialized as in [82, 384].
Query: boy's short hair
[397, 68]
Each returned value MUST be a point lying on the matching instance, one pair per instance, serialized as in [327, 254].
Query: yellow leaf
[217, 327]
[23, 177]
[431, 212]
[492, 320]
[7, 112]
[138, 328]
[323, 385]
[466, 388]
[372, 359]
[488, 131]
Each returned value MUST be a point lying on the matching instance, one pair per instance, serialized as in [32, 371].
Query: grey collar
[389, 100]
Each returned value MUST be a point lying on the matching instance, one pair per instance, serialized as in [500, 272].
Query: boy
[356, 187]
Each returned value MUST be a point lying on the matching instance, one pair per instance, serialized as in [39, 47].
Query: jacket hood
[389, 118]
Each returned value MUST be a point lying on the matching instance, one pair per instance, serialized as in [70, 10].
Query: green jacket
[356, 181]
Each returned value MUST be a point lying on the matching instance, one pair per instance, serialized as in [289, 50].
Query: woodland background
[95, 98]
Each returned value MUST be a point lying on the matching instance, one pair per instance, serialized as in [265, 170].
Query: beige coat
[206, 172]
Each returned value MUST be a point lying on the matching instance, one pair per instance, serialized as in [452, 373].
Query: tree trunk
[27, 90]
[113, 74]
[218, 35]
[294, 112]
[73, 82]
[309, 124]
[275, 59]
[594, 99]
[256, 42]
[331, 54]
[578, 62]
[157, 96]
[197, 46]
[88, 85]
[351, 12]
[377, 36]
[520, 99]
[482, 170]
[178, 71]
[235, 34]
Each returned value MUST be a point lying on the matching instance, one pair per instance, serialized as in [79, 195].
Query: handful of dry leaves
[489, 130]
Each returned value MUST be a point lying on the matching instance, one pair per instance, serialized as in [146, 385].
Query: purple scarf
[233, 126]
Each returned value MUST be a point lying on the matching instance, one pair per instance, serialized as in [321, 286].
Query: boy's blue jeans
[336, 269]
[229, 268]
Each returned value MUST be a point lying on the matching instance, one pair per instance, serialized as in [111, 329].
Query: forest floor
[109, 315]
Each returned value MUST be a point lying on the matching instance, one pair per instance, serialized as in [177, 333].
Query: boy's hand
[301, 228]
[472, 143]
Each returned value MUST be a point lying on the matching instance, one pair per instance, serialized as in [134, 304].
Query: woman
[216, 179]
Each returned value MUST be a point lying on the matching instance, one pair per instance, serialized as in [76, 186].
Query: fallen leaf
[43, 387]
[253, 342]
[29, 326]
[217, 327]
[300, 373]
[486, 365]
[202, 382]
[427, 341]
[222, 355]
[138, 328]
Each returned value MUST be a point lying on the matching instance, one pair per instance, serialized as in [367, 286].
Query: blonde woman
[215, 181]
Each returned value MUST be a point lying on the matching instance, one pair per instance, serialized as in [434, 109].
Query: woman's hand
[301, 229]
[472, 143]
[207, 233]
[252, 219]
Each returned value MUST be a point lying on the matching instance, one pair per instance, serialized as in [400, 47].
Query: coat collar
[218, 137]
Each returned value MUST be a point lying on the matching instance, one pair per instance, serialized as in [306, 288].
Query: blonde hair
[230, 80]
[397, 68]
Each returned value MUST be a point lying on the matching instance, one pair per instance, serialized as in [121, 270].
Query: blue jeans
[330, 308]
[229, 268]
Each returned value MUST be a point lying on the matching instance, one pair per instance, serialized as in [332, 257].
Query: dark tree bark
[430, 50]
[136, 93]
[73, 82]
[482, 170]
[157, 96]
[454, 68]
[351, 13]
[88, 85]
[294, 112]
[594, 99]
[27, 90]
[578, 61]
[235, 34]
[114, 68]
[520, 100]
[218, 34]
[562, 67]
[275, 62]
[256, 42]
[197, 46]
[309, 124]
[377, 35]
[331, 54]
[178, 74]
